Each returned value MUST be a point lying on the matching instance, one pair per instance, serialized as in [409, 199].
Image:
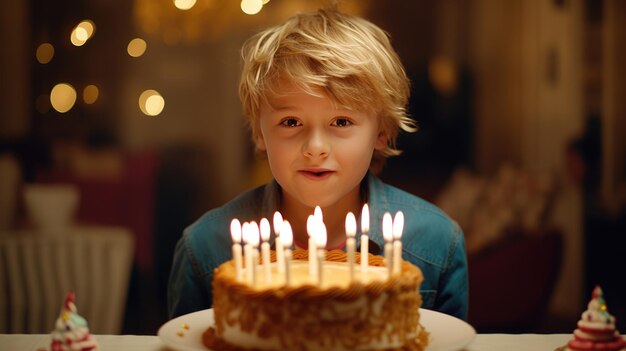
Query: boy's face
[318, 152]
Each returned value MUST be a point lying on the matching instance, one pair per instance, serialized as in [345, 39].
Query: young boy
[325, 96]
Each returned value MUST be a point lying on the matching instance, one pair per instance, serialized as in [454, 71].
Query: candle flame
[387, 227]
[278, 222]
[311, 225]
[318, 214]
[245, 231]
[350, 225]
[320, 235]
[235, 230]
[286, 234]
[365, 219]
[253, 239]
[398, 225]
[265, 229]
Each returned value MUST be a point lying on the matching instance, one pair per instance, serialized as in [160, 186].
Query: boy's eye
[290, 122]
[342, 122]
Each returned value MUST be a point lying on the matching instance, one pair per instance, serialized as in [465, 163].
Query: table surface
[482, 342]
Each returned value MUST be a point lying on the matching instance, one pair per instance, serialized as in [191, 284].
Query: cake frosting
[71, 332]
[596, 328]
[372, 312]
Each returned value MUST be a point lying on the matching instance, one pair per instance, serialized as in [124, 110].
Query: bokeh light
[45, 53]
[90, 94]
[251, 7]
[136, 47]
[63, 97]
[151, 103]
[184, 4]
[82, 32]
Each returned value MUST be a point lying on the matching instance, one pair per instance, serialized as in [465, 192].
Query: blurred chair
[36, 271]
[511, 282]
[11, 181]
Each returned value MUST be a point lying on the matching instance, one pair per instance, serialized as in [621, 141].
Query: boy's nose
[316, 145]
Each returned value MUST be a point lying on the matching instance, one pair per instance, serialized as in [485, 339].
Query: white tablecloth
[482, 342]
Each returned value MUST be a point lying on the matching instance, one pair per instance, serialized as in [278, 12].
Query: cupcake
[596, 328]
[71, 332]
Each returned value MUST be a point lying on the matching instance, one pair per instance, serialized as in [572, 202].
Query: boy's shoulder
[430, 236]
[398, 199]
[421, 216]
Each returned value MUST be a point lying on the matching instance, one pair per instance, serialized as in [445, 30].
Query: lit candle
[235, 234]
[286, 238]
[365, 227]
[320, 241]
[247, 251]
[398, 227]
[265, 249]
[254, 241]
[311, 228]
[350, 241]
[317, 212]
[388, 236]
[280, 254]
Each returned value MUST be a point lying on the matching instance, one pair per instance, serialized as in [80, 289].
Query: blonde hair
[348, 57]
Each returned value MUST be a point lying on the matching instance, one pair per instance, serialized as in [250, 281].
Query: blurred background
[519, 103]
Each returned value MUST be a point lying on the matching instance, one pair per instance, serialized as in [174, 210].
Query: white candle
[280, 254]
[320, 241]
[365, 227]
[254, 241]
[311, 228]
[350, 241]
[388, 236]
[247, 251]
[235, 234]
[265, 249]
[286, 238]
[398, 227]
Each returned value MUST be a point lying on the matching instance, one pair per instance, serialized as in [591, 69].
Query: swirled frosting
[71, 332]
[371, 312]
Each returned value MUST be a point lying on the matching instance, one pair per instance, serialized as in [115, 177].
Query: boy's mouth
[316, 173]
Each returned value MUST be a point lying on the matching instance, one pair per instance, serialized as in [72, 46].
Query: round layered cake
[370, 311]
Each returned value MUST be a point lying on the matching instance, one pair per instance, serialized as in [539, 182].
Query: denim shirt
[430, 240]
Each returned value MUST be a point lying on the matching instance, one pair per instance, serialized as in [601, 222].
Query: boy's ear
[381, 141]
[260, 142]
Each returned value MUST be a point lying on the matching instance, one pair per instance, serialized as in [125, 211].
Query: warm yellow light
[74, 39]
[136, 47]
[443, 74]
[88, 26]
[265, 1]
[82, 32]
[184, 4]
[62, 97]
[45, 53]
[151, 103]
[90, 94]
[251, 7]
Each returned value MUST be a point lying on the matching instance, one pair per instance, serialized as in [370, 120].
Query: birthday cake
[369, 311]
[596, 328]
[71, 332]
